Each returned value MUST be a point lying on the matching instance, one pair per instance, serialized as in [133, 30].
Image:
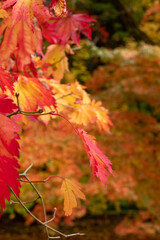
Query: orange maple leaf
[71, 190]
[33, 94]
[20, 40]
[26, 9]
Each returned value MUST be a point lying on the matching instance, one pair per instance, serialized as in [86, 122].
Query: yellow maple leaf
[76, 104]
[71, 190]
[82, 115]
[92, 112]
[56, 56]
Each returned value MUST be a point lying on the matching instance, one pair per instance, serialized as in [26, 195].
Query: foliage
[31, 91]
[126, 80]
[51, 107]
[129, 87]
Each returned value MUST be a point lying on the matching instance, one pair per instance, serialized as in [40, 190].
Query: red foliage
[68, 27]
[9, 150]
[33, 82]
[98, 160]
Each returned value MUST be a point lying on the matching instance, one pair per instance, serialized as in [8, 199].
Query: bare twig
[11, 202]
[39, 196]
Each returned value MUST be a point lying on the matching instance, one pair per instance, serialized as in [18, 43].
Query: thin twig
[11, 202]
[44, 223]
[54, 215]
[40, 196]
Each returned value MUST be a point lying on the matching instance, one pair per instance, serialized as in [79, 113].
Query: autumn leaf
[20, 40]
[29, 43]
[26, 9]
[9, 150]
[70, 190]
[6, 80]
[33, 94]
[62, 29]
[98, 161]
[56, 56]
[93, 112]
[59, 7]
[6, 104]
[83, 110]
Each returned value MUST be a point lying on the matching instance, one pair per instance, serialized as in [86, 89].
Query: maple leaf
[59, 7]
[29, 43]
[101, 116]
[62, 29]
[20, 40]
[84, 110]
[9, 150]
[93, 112]
[33, 94]
[98, 161]
[26, 9]
[56, 56]
[6, 104]
[5, 80]
[70, 190]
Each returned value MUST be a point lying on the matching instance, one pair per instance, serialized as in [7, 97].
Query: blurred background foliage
[121, 68]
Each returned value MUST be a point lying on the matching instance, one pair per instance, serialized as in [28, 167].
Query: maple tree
[30, 90]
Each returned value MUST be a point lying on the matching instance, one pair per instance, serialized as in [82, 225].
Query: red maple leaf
[6, 80]
[98, 160]
[62, 29]
[9, 150]
[6, 104]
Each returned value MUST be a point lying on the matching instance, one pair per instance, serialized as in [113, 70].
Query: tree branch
[39, 196]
